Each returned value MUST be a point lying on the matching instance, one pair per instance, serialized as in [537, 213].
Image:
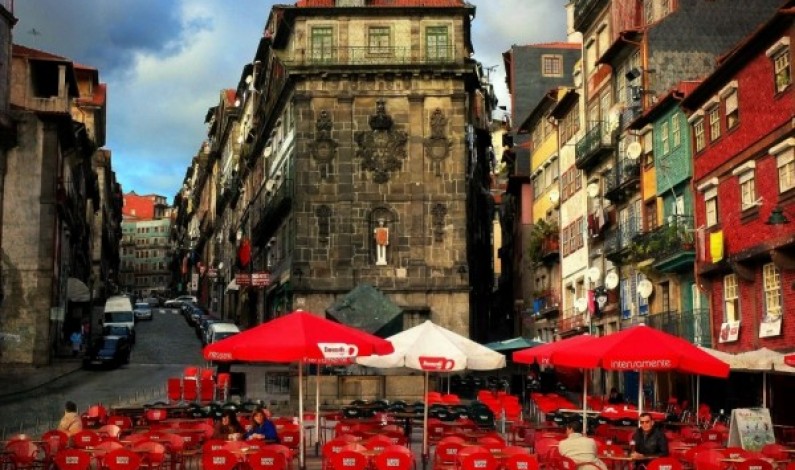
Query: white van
[219, 331]
[119, 312]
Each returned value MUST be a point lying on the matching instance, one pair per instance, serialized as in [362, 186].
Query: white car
[142, 311]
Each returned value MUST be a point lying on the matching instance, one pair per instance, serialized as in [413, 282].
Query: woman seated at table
[228, 428]
[262, 428]
[579, 448]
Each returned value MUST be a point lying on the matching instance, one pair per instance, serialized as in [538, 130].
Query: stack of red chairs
[174, 389]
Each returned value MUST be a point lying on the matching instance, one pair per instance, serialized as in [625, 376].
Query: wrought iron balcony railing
[596, 143]
[372, 55]
[585, 11]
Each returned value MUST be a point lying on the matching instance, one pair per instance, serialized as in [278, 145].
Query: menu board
[751, 428]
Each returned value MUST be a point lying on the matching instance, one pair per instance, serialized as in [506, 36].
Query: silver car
[142, 311]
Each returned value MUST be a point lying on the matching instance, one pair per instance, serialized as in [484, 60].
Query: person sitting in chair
[649, 441]
[262, 428]
[581, 449]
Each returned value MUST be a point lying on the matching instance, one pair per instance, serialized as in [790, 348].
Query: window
[648, 11]
[437, 43]
[785, 162]
[650, 215]
[322, 44]
[747, 191]
[771, 279]
[732, 111]
[698, 135]
[664, 134]
[379, 40]
[781, 69]
[714, 123]
[711, 202]
[731, 299]
[552, 65]
[590, 54]
[676, 131]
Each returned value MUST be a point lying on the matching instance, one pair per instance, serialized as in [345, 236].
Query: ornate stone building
[356, 153]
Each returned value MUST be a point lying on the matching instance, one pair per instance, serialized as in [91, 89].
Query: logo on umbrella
[436, 363]
[641, 364]
[338, 350]
[220, 356]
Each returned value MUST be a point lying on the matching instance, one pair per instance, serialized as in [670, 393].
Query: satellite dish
[645, 287]
[269, 185]
[594, 274]
[581, 305]
[593, 189]
[267, 152]
[611, 280]
[554, 196]
[634, 150]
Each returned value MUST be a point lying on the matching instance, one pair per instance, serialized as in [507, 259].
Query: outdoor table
[618, 461]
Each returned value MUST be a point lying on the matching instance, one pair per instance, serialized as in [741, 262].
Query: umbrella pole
[425, 456]
[301, 415]
[585, 402]
[317, 412]
[698, 396]
[764, 389]
[640, 391]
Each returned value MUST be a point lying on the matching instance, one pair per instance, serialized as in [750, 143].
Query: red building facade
[741, 120]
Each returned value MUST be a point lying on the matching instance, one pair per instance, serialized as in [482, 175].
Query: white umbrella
[763, 360]
[430, 347]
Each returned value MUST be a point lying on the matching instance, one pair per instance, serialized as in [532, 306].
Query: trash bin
[237, 384]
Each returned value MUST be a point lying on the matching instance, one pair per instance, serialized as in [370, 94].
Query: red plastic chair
[22, 453]
[109, 430]
[446, 454]
[190, 390]
[101, 450]
[393, 460]
[478, 461]
[290, 438]
[206, 390]
[190, 372]
[755, 464]
[124, 422]
[121, 459]
[378, 443]
[348, 460]
[85, 438]
[710, 459]
[220, 459]
[72, 459]
[52, 442]
[664, 463]
[174, 389]
[153, 454]
[95, 416]
[521, 462]
[775, 452]
[332, 447]
[206, 373]
[223, 385]
[267, 459]
[155, 415]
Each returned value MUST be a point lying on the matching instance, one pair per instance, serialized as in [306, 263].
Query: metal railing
[373, 55]
[598, 139]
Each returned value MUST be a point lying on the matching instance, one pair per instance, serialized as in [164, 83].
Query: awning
[232, 285]
[77, 291]
[368, 309]
[512, 344]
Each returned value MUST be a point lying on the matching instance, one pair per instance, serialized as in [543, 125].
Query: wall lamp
[777, 217]
[299, 273]
[462, 270]
[633, 74]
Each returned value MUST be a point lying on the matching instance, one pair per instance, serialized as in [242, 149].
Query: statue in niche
[382, 148]
[439, 211]
[381, 234]
[323, 149]
[438, 145]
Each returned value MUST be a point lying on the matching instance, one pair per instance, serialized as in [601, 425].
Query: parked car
[220, 330]
[203, 323]
[142, 311]
[193, 315]
[119, 331]
[108, 350]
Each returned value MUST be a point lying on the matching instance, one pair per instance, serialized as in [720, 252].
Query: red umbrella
[789, 360]
[544, 353]
[642, 348]
[298, 337]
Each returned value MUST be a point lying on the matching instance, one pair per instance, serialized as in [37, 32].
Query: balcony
[372, 56]
[572, 323]
[690, 325]
[546, 302]
[585, 12]
[623, 181]
[597, 143]
[676, 250]
[550, 249]
[618, 242]
[275, 207]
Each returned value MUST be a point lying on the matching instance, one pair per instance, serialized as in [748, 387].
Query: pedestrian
[648, 442]
[77, 342]
[615, 398]
[581, 449]
[228, 428]
[262, 428]
[70, 422]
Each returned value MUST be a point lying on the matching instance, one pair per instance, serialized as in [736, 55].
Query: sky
[166, 61]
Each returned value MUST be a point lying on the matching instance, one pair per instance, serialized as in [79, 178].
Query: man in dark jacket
[649, 441]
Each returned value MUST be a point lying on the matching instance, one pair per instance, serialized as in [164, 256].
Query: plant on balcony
[542, 230]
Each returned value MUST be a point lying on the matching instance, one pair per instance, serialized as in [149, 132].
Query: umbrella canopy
[728, 358]
[642, 348]
[298, 336]
[764, 360]
[789, 360]
[544, 353]
[431, 347]
[512, 344]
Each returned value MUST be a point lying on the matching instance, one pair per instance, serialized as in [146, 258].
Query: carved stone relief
[439, 212]
[323, 214]
[323, 149]
[438, 145]
[382, 149]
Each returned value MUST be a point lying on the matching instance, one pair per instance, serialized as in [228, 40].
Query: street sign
[212, 273]
[260, 279]
[243, 279]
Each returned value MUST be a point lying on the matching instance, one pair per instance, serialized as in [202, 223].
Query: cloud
[166, 62]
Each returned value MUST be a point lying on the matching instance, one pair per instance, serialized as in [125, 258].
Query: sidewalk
[22, 379]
